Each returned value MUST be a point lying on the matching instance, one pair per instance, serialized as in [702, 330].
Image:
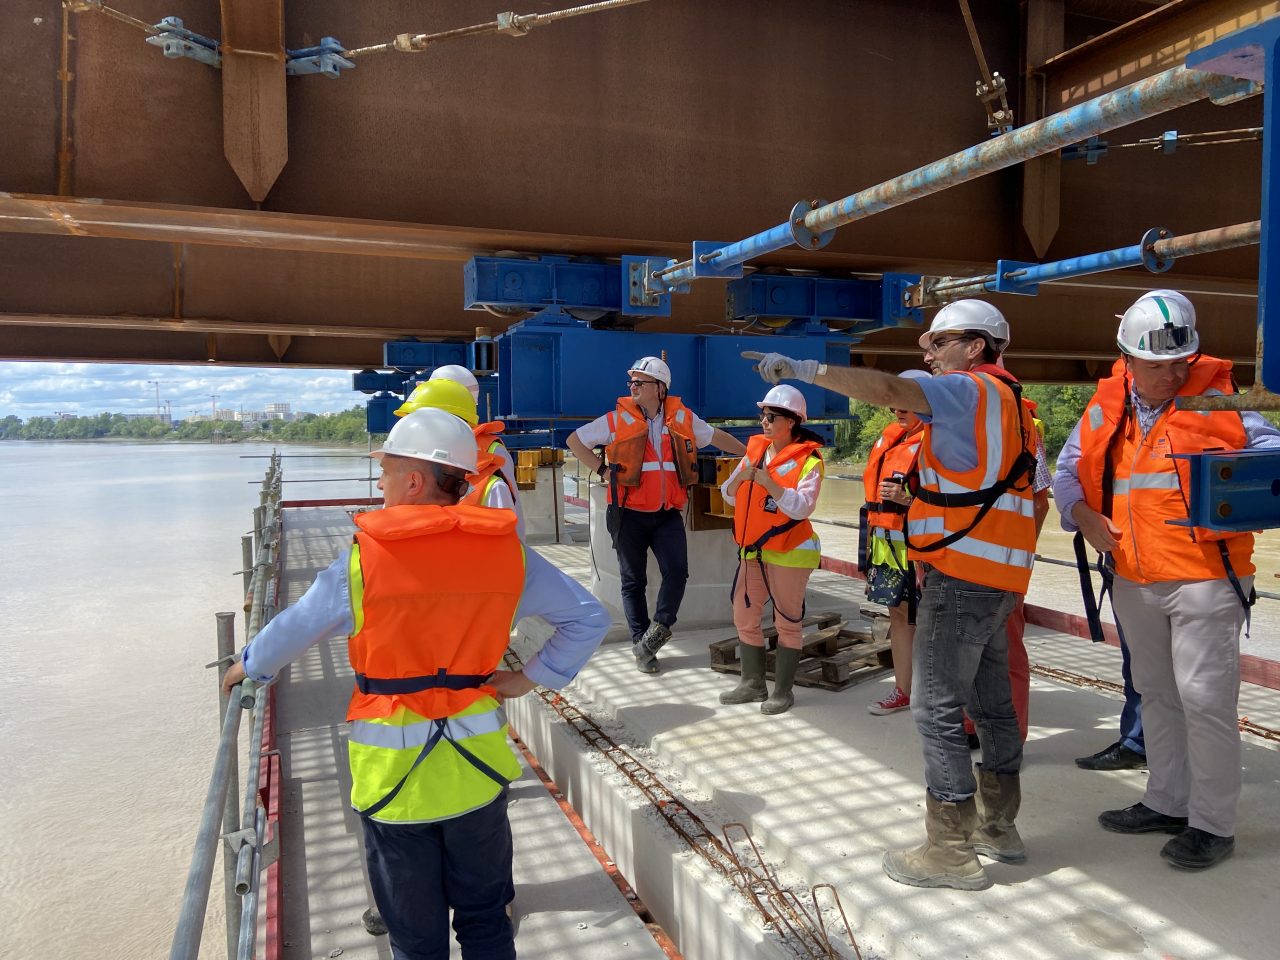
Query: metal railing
[239, 824]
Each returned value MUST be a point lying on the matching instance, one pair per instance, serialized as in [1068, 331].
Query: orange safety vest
[1147, 487]
[640, 478]
[488, 462]
[991, 532]
[754, 519]
[440, 587]
[895, 453]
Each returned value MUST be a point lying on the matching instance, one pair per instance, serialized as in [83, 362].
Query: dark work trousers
[1131, 715]
[420, 871]
[662, 532]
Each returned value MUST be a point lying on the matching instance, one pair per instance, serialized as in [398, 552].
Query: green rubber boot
[784, 675]
[752, 689]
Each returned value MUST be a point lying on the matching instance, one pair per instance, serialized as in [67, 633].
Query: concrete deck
[825, 789]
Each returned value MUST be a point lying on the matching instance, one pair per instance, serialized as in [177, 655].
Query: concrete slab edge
[699, 909]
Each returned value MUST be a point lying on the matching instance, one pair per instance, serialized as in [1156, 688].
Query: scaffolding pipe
[1165, 91]
[1163, 251]
[231, 805]
[195, 898]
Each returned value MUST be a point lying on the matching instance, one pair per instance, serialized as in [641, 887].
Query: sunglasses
[641, 383]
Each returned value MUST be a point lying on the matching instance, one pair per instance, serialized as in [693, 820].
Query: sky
[44, 389]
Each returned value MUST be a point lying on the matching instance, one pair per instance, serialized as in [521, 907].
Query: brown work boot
[996, 837]
[945, 859]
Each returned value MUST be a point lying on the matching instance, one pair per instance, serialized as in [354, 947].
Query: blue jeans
[419, 871]
[1131, 715]
[661, 531]
[960, 663]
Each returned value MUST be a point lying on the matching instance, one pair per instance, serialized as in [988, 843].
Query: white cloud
[42, 389]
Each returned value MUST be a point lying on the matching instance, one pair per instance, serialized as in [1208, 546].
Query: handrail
[220, 803]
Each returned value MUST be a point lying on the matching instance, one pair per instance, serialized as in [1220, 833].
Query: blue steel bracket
[414, 355]
[1148, 246]
[816, 301]
[176, 41]
[377, 381]
[326, 59]
[646, 295]
[1092, 149]
[803, 236]
[1233, 491]
[1004, 283]
[704, 261]
[1254, 54]
[380, 412]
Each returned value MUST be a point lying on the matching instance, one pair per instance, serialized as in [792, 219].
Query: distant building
[277, 411]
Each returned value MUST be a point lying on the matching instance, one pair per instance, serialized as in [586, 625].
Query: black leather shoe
[1195, 849]
[1115, 757]
[1140, 819]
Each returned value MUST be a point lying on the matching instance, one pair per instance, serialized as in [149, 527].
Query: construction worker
[453, 388]
[777, 546]
[650, 442]
[427, 595]
[882, 545]
[972, 524]
[1181, 593]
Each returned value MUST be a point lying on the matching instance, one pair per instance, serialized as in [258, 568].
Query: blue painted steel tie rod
[1165, 91]
[1156, 255]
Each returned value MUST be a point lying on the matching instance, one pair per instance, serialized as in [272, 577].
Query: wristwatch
[822, 369]
[600, 470]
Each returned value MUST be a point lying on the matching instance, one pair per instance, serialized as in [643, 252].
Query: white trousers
[1184, 645]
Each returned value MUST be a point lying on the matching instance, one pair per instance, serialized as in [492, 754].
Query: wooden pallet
[833, 655]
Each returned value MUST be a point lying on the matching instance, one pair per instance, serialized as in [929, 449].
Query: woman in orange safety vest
[774, 490]
[882, 546]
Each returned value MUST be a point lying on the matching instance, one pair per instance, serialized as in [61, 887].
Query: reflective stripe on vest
[445, 783]
[1000, 550]
[1145, 481]
[416, 734]
[974, 548]
[649, 466]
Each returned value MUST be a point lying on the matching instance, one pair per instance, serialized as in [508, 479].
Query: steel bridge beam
[1142, 48]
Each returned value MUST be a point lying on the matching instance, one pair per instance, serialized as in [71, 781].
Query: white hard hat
[784, 397]
[432, 434]
[653, 367]
[915, 375]
[451, 371]
[1161, 325]
[975, 316]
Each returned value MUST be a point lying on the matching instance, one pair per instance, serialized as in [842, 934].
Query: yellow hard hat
[441, 395]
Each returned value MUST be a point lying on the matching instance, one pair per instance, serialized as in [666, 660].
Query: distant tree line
[345, 427]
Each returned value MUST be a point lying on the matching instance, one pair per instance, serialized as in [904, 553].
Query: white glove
[774, 367]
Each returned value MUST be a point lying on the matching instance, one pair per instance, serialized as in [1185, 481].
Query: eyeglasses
[641, 383]
[937, 343]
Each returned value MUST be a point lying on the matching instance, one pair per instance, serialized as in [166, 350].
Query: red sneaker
[891, 704]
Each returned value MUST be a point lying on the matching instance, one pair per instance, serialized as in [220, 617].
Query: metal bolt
[1224, 510]
[1224, 471]
[814, 204]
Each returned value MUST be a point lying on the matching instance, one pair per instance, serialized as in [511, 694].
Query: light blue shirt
[954, 441]
[1259, 434]
[324, 612]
